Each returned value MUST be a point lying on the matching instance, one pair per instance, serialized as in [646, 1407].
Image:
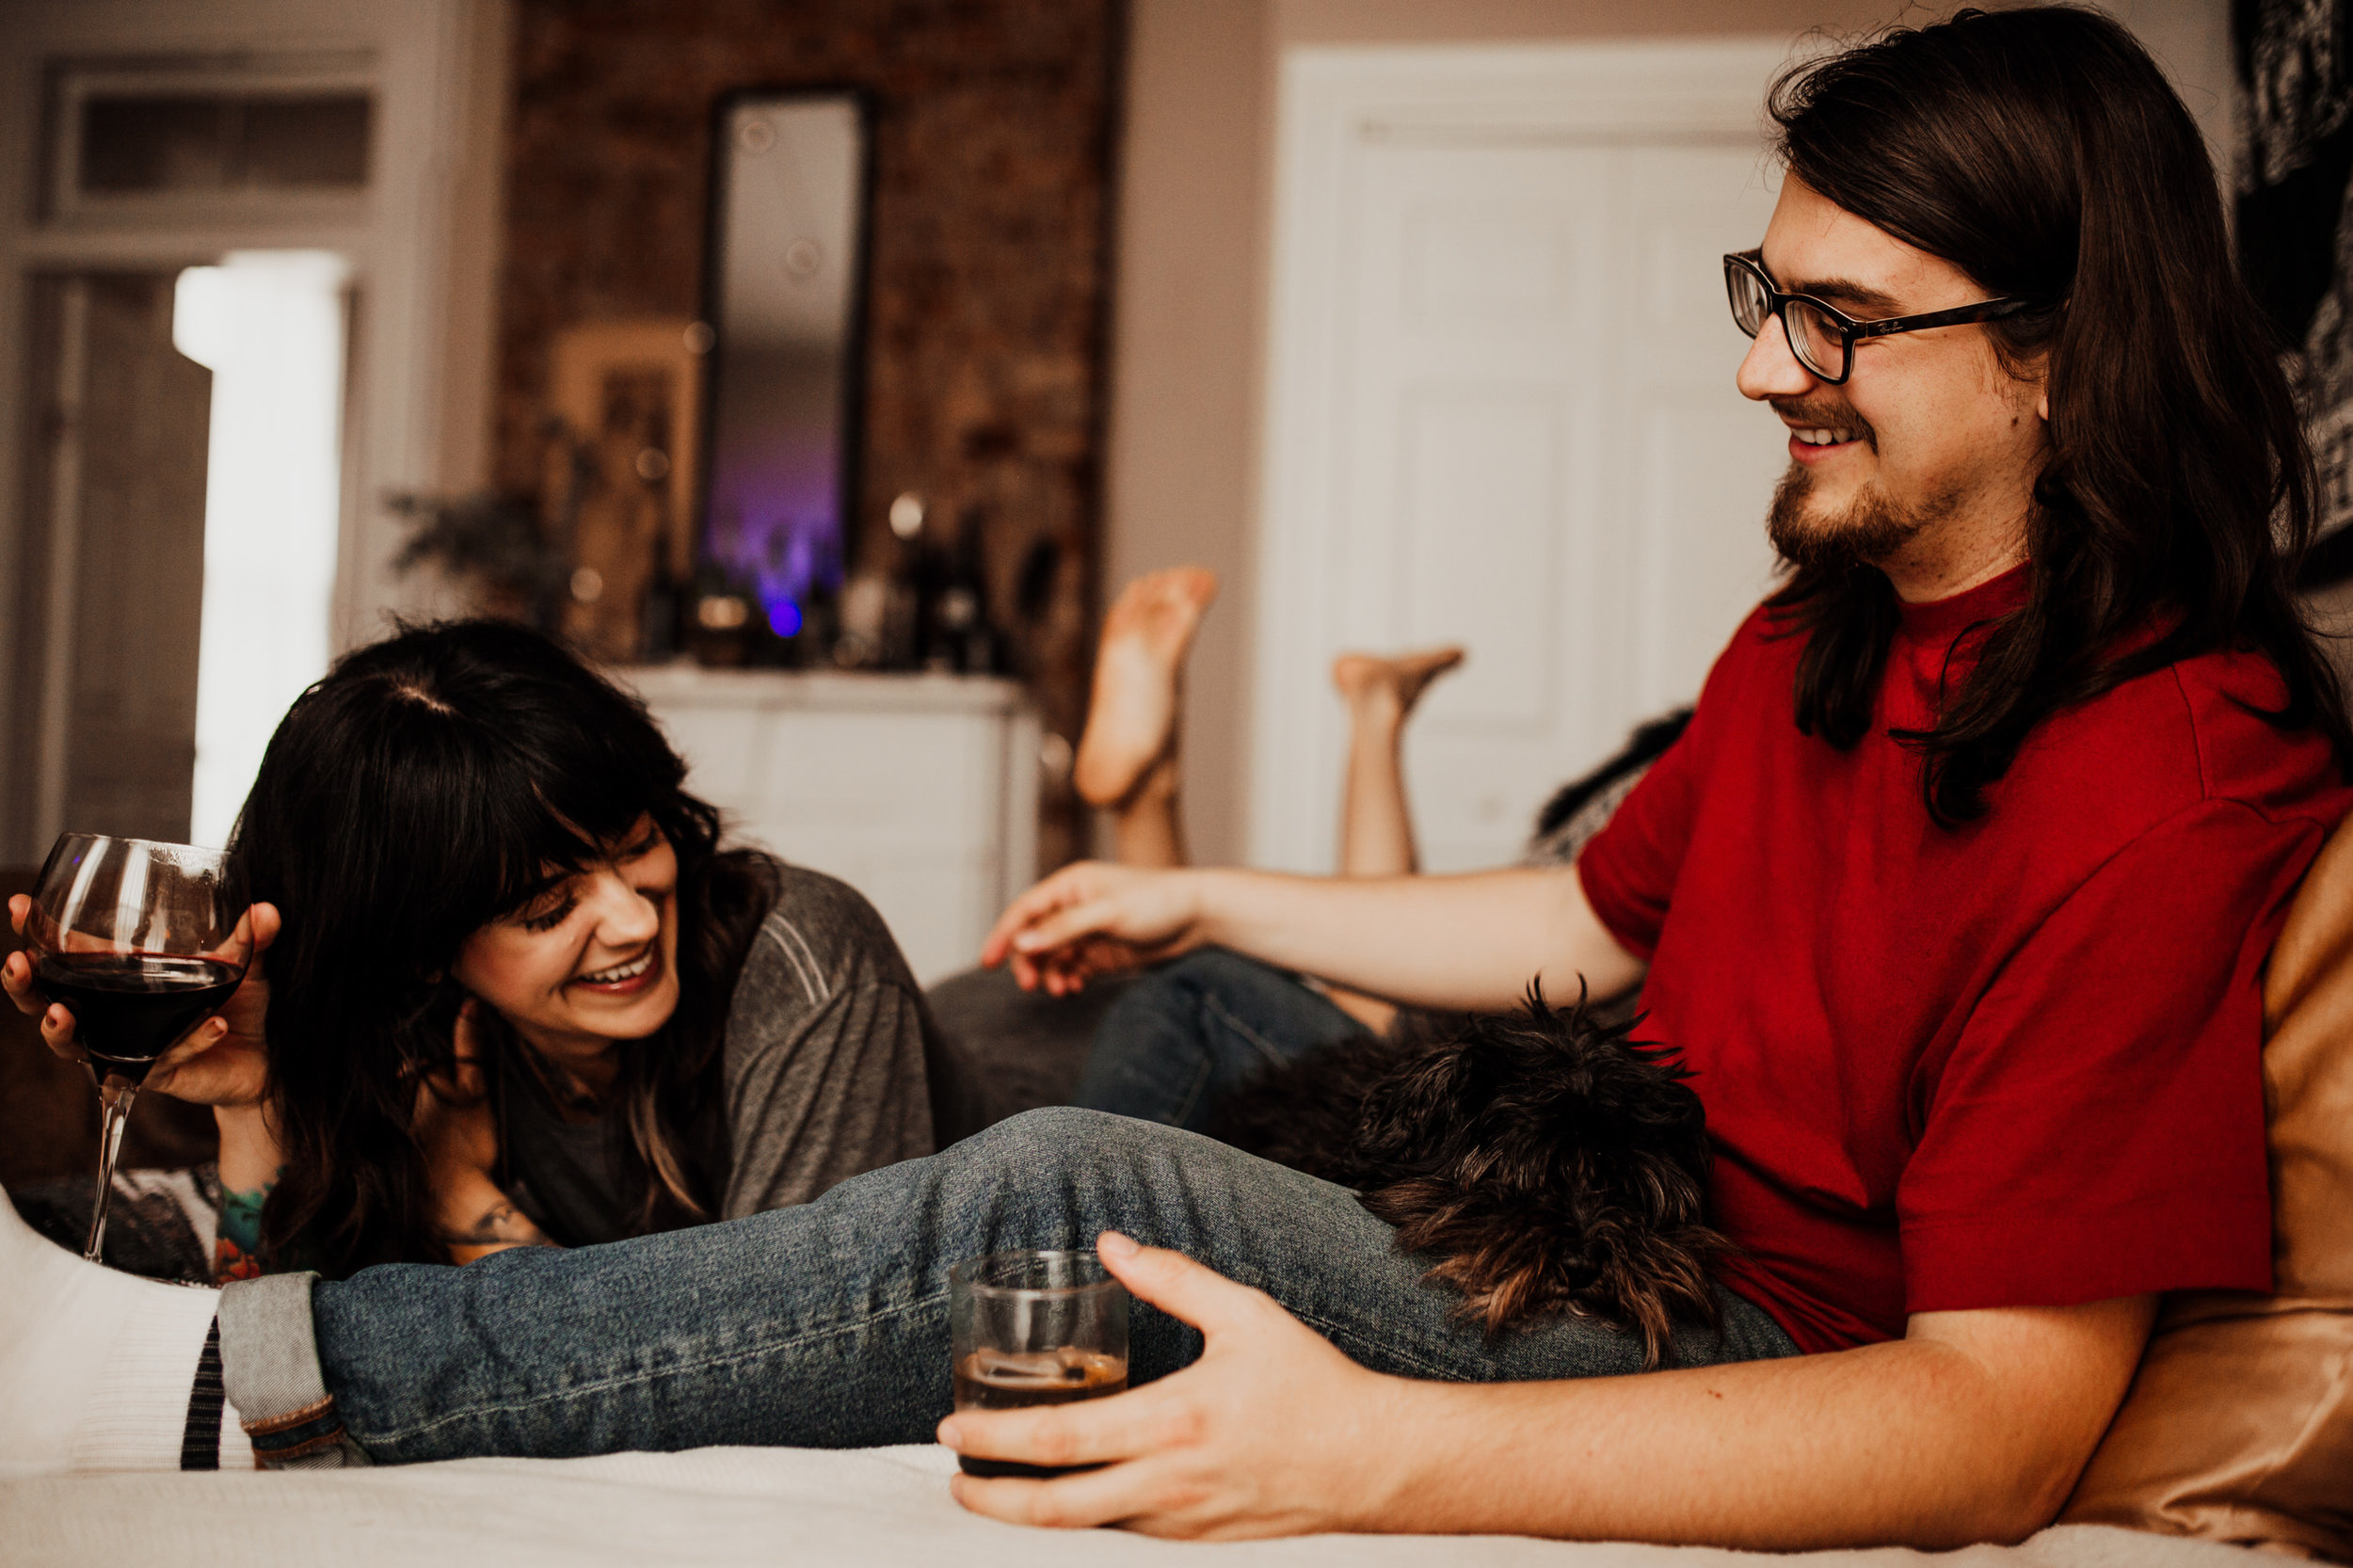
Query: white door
[1502, 414]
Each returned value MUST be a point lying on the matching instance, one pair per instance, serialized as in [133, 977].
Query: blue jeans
[826, 1324]
[1187, 1034]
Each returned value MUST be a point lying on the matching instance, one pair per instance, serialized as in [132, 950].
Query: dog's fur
[1549, 1164]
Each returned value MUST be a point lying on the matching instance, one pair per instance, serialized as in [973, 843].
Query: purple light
[785, 617]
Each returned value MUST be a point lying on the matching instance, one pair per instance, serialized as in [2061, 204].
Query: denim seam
[1332, 1331]
[608, 1385]
[1192, 1095]
[1275, 1057]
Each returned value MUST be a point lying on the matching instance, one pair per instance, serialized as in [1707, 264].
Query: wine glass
[141, 942]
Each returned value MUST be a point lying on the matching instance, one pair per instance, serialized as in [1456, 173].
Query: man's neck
[1953, 558]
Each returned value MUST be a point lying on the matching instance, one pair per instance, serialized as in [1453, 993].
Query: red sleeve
[2097, 1128]
[1630, 868]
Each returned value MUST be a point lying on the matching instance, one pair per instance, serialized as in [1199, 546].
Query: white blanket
[784, 1507]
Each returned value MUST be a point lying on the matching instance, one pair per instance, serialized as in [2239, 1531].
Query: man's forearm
[1470, 942]
[1921, 1442]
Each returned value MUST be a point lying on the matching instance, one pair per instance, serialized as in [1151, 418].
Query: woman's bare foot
[1131, 718]
[1387, 689]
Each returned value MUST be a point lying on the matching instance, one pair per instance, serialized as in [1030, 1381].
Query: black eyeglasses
[1822, 336]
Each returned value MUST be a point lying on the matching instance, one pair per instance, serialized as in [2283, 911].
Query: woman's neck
[580, 1071]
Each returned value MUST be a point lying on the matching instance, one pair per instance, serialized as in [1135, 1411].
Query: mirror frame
[850, 388]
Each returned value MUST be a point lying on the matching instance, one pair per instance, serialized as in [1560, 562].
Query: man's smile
[1816, 432]
[1813, 446]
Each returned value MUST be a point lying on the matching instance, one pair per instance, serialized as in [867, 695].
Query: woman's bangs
[566, 813]
[537, 851]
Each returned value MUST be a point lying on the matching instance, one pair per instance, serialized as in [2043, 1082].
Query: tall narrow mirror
[788, 258]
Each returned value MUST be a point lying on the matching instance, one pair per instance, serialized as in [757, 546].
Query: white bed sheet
[772, 1506]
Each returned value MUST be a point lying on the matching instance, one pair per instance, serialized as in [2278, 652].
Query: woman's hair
[431, 784]
[2042, 153]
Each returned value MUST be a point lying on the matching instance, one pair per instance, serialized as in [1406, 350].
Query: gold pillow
[2239, 1424]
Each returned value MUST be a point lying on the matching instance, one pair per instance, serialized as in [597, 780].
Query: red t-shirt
[2011, 1064]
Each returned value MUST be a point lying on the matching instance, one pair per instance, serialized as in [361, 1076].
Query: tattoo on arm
[499, 1225]
[237, 1239]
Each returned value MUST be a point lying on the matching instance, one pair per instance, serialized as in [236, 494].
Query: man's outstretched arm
[1471, 941]
[1973, 1426]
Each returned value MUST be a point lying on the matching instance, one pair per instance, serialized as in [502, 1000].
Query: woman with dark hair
[519, 995]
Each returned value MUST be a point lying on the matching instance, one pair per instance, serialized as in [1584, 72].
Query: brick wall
[987, 265]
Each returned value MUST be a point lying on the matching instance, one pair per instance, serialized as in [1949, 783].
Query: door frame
[1333, 102]
[419, 369]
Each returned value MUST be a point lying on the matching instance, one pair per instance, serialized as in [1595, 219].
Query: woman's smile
[624, 978]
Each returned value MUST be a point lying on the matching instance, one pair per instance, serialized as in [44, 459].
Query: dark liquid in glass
[1013, 1380]
[129, 1007]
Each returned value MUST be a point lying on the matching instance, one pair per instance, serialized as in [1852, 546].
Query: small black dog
[1550, 1165]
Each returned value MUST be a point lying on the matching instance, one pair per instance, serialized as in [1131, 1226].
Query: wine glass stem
[115, 1094]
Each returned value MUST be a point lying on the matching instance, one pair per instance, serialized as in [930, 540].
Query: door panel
[1483, 485]
[1513, 426]
[113, 611]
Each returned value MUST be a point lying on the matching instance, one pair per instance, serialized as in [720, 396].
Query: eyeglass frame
[1851, 331]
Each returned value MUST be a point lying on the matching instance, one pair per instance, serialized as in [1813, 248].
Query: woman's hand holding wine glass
[137, 944]
[219, 1062]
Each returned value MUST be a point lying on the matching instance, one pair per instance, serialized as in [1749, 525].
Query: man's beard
[1869, 529]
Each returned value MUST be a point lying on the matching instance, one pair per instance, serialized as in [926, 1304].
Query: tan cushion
[2239, 1426]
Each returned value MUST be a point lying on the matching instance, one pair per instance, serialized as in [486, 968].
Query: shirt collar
[1942, 619]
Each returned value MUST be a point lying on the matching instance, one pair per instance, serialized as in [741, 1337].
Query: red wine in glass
[128, 1008]
[141, 941]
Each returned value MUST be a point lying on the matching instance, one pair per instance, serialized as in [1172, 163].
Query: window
[213, 140]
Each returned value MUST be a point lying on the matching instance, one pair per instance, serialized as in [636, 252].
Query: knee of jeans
[1040, 1137]
[1062, 1145]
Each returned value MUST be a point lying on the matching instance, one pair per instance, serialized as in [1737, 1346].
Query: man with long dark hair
[1954, 896]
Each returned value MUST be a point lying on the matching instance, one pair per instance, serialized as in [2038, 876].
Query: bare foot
[1389, 688]
[1132, 719]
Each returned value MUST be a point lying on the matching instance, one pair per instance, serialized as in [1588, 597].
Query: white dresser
[921, 790]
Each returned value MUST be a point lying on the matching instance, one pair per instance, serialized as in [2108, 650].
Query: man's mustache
[1820, 413]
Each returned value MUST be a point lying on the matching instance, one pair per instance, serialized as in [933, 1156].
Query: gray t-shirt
[824, 1069]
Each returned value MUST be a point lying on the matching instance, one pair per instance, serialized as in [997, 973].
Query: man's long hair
[2042, 153]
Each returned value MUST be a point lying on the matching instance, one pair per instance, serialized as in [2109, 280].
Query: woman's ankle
[1148, 829]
